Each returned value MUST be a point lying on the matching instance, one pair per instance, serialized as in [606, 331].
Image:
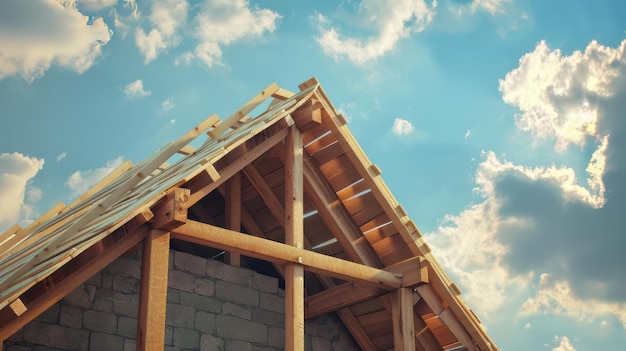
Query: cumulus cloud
[220, 23]
[81, 181]
[166, 17]
[36, 34]
[557, 297]
[16, 195]
[549, 225]
[564, 344]
[392, 21]
[402, 127]
[167, 105]
[135, 90]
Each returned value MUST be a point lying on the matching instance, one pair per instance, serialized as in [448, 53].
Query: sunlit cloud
[136, 90]
[43, 33]
[220, 23]
[166, 18]
[402, 127]
[391, 20]
[81, 181]
[167, 105]
[16, 195]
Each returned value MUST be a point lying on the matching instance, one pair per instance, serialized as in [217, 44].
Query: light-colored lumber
[153, 293]
[18, 307]
[171, 211]
[294, 236]
[243, 111]
[272, 251]
[402, 316]
[266, 193]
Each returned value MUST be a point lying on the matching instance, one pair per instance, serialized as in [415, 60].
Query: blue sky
[498, 125]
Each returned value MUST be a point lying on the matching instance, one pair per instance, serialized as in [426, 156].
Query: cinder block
[127, 327]
[100, 321]
[237, 311]
[239, 329]
[180, 316]
[56, 336]
[186, 338]
[199, 302]
[237, 275]
[105, 342]
[320, 344]
[272, 302]
[265, 283]
[276, 337]
[189, 263]
[211, 343]
[205, 322]
[181, 281]
[238, 345]
[204, 287]
[236, 293]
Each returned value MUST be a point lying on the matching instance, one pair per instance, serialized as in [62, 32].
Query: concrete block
[173, 295]
[126, 285]
[100, 321]
[205, 322]
[265, 283]
[107, 280]
[51, 315]
[180, 316]
[130, 345]
[125, 267]
[311, 326]
[237, 311]
[189, 263]
[82, 296]
[181, 281]
[105, 342]
[203, 303]
[236, 293]
[272, 302]
[240, 329]
[103, 300]
[71, 316]
[204, 287]
[269, 317]
[127, 327]
[18, 348]
[238, 345]
[276, 337]
[211, 343]
[125, 304]
[236, 275]
[95, 280]
[56, 336]
[186, 338]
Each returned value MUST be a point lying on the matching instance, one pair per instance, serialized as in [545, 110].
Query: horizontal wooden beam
[248, 245]
[171, 211]
[414, 272]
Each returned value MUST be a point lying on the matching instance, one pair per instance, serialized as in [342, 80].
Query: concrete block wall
[211, 306]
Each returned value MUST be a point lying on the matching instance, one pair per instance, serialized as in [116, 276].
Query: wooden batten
[171, 211]
[402, 316]
[153, 293]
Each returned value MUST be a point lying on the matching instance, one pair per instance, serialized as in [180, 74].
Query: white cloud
[61, 156]
[392, 21]
[468, 133]
[16, 170]
[527, 326]
[220, 23]
[564, 344]
[559, 95]
[569, 224]
[81, 181]
[167, 105]
[557, 297]
[135, 90]
[128, 12]
[494, 7]
[166, 18]
[402, 127]
[40, 33]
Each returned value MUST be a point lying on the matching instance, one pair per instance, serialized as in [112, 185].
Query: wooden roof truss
[290, 186]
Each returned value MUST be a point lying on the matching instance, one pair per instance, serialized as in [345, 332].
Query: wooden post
[233, 214]
[153, 294]
[402, 316]
[294, 235]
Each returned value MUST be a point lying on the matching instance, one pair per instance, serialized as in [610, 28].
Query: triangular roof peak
[290, 186]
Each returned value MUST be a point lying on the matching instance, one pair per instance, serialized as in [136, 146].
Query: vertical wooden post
[233, 214]
[402, 316]
[294, 235]
[153, 293]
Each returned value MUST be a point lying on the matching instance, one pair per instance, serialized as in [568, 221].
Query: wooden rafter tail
[243, 111]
